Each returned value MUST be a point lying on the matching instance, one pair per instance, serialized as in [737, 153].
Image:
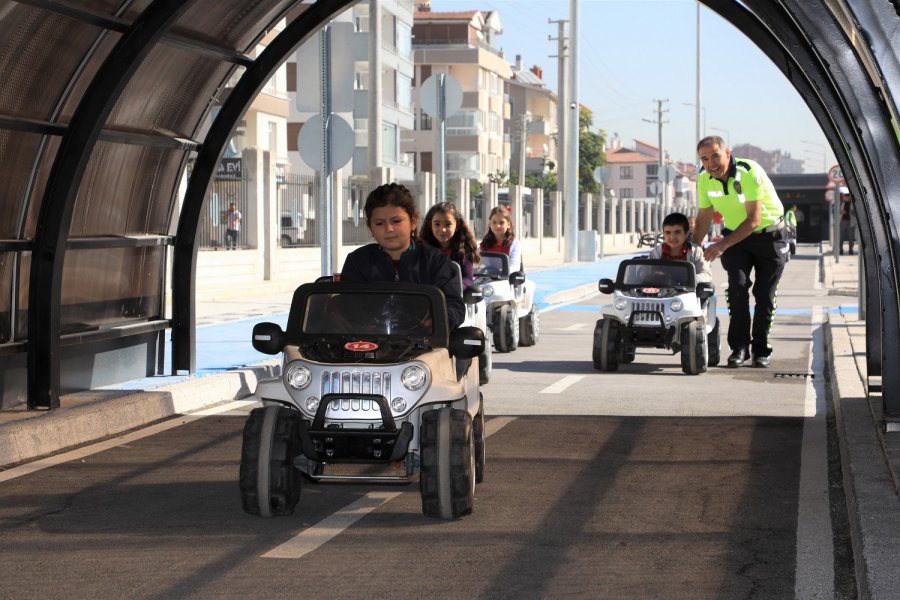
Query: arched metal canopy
[105, 101]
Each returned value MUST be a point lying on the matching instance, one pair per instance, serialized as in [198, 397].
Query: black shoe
[738, 357]
[761, 362]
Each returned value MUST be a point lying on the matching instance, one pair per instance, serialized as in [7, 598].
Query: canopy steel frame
[184, 263]
[809, 46]
[55, 218]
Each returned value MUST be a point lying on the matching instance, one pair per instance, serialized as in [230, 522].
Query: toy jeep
[512, 314]
[477, 316]
[657, 304]
[371, 376]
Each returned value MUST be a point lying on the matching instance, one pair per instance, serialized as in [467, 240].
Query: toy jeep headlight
[620, 303]
[488, 291]
[413, 377]
[298, 377]
[676, 305]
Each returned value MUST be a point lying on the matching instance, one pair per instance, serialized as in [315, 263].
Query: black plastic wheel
[506, 330]
[478, 435]
[714, 346]
[485, 364]
[693, 348]
[269, 483]
[606, 349]
[447, 478]
[530, 327]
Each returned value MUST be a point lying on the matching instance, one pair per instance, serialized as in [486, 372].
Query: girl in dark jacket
[397, 255]
[446, 229]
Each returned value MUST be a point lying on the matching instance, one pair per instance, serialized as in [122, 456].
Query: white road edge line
[561, 385]
[79, 453]
[814, 577]
[325, 530]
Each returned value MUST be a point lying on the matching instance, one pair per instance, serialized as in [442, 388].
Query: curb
[99, 414]
[874, 517]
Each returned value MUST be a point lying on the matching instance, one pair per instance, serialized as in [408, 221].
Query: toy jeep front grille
[355, 382]
[647, 313]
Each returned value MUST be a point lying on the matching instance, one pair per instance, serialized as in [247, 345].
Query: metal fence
[298, 201]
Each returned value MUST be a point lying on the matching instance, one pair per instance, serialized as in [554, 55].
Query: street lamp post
[701, 127]
[727, 135]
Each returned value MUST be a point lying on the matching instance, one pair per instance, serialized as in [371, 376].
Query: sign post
[441, 97]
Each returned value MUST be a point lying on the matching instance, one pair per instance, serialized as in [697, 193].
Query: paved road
[641, 483]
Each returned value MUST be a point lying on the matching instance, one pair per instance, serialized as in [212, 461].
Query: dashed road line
[561, 385]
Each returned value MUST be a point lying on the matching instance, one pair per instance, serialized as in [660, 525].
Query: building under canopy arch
[103, 102]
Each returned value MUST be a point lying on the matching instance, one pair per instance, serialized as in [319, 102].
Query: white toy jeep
[512, 314]
[657, 304]
[371, 375]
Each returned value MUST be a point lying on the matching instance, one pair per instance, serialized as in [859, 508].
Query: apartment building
[460, 44]
[353, 59]
[533, 121]
[633, 174]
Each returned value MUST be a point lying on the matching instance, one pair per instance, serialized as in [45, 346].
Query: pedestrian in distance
[232, 227]
[397, 254]
[677, 246]
[445, 228]
[754, 243]
[501, 237]
[848, 221]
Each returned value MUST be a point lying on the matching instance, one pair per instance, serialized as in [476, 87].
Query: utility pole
[662, 185]
[561, 105]
[523, 140]
[571, 189]
[697, 91]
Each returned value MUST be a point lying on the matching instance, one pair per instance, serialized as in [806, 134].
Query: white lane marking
[574, 327]
[58, 459]
[308, 540]
[561, 385]
[814, 577]
[325, 530]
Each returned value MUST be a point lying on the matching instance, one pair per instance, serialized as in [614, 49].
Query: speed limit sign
[836, 175]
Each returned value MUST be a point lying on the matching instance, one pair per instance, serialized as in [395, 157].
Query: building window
[626, 193]
[404, 40]
[404, 93]
[626, 172]
[652, 170]
[389, 142]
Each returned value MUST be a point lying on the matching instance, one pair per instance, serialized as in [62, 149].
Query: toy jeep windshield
[657, 304]
[371, 375]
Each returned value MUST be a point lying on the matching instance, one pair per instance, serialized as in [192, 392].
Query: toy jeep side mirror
[473, 294]
[705, 290]
[268, 338]
[466, 342]
[517, 278]
[606, 285]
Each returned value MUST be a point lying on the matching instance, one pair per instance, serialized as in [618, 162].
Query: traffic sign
[429, 99]
[602, 175]
[836, 175]
[667, 173]
[340, 142]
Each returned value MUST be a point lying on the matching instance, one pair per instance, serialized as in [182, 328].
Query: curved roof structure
[104, 102]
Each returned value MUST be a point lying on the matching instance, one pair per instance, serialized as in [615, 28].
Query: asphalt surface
[549, 480]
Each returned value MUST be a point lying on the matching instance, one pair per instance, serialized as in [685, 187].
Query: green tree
[590, 152]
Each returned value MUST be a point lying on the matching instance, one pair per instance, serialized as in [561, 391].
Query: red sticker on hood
[360, 346]
[650, 290]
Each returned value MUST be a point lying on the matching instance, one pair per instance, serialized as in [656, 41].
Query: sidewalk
[870, 458]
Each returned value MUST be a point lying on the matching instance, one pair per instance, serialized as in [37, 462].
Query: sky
[634, 52]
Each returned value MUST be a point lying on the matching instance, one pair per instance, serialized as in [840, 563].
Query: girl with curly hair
[445, 228]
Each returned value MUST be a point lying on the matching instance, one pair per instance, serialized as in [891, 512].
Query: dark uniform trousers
[766, 253]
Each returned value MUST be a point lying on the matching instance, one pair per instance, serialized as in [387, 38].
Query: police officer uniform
[765, 251]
